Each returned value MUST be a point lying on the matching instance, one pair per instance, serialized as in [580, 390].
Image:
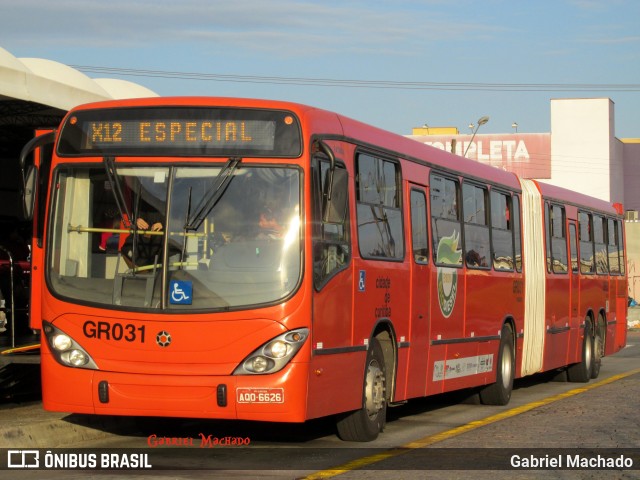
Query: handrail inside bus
[82, 229]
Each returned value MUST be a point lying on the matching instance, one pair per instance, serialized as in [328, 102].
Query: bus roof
[329, 124]
[564, 195]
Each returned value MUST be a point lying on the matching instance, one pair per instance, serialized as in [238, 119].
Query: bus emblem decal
[163, 338]
[448, 253]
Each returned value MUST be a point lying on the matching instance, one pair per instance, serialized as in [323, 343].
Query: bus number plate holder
[260, 395]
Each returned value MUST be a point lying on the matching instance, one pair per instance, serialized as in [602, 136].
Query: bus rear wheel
[499, 393]
[365, 424]
[581, 372]
[598, 347]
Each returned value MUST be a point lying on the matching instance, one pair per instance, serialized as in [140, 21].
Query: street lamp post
[481, 121]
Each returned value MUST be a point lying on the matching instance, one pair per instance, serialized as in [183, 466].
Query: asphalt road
[441, 437]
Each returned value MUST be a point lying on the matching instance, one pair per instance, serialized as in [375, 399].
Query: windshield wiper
[209, 201]
[118, 196]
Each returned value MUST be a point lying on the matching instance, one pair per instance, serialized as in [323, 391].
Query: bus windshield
[125, 239]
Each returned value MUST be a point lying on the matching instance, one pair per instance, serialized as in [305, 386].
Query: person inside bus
[148, 246]
[269, 225]
[109, 240]
[265, 223]
[474, 259]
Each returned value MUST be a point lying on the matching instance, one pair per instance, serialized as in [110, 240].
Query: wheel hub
[375, 389]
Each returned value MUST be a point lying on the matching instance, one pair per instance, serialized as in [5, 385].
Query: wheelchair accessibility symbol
[362, 281]
[181, 292]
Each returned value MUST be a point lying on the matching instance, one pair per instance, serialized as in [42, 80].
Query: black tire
[499, 393]
[581, 372]
[365, 424]
[598, 347]
[560, 375]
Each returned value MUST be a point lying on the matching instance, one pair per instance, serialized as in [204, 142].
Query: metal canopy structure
[56, 85]
[36, 93]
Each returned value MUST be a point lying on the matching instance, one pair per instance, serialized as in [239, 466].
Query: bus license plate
[260, 395]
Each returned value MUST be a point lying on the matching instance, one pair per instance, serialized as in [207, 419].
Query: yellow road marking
[439, 437]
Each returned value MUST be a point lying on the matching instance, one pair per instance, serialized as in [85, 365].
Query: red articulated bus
[259, 260]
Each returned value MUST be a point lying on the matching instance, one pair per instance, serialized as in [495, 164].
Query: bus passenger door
[574, 294]
[42, 161]
[419, 293]
[335, 362]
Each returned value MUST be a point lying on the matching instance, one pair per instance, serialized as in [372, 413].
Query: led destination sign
[183, 133]
[180, 131]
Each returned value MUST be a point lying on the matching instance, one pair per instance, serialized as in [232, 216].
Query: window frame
[510, 228]
[612, 230]
[554, 237]
[397, 208]
[435, 238]
[424, 259]
[589, 241]
[604, 243]
[517, 232]
[318, 227]
[479, 228]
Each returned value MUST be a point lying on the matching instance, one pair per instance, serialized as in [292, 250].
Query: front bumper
[278, 397]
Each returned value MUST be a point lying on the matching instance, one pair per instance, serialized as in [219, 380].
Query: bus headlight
[65, 349]
[61, 342]
[273, 355]
[77, 358]
[278, 349]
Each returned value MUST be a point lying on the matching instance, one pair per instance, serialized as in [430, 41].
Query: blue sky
[566, 43]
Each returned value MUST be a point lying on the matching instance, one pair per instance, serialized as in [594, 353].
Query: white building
[580, 153]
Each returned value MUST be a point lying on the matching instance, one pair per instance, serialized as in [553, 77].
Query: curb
[70, 430]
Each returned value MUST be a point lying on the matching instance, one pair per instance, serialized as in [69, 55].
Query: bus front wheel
[365, 424]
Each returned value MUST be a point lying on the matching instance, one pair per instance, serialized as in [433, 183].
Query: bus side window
[379, 209]
[476, 230]
[517, 239]
[419, 234]
[558, 240]
[586, 242]
[445, 219]
[602, 264]
[621, 248]
[331, 250]
[574, 248]
[548, 225]
[502, 231]
[614, 260]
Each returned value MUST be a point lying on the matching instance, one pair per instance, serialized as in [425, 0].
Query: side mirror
[29, 192]
[334, 206]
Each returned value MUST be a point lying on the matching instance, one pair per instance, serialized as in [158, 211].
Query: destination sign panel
[180, 131]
